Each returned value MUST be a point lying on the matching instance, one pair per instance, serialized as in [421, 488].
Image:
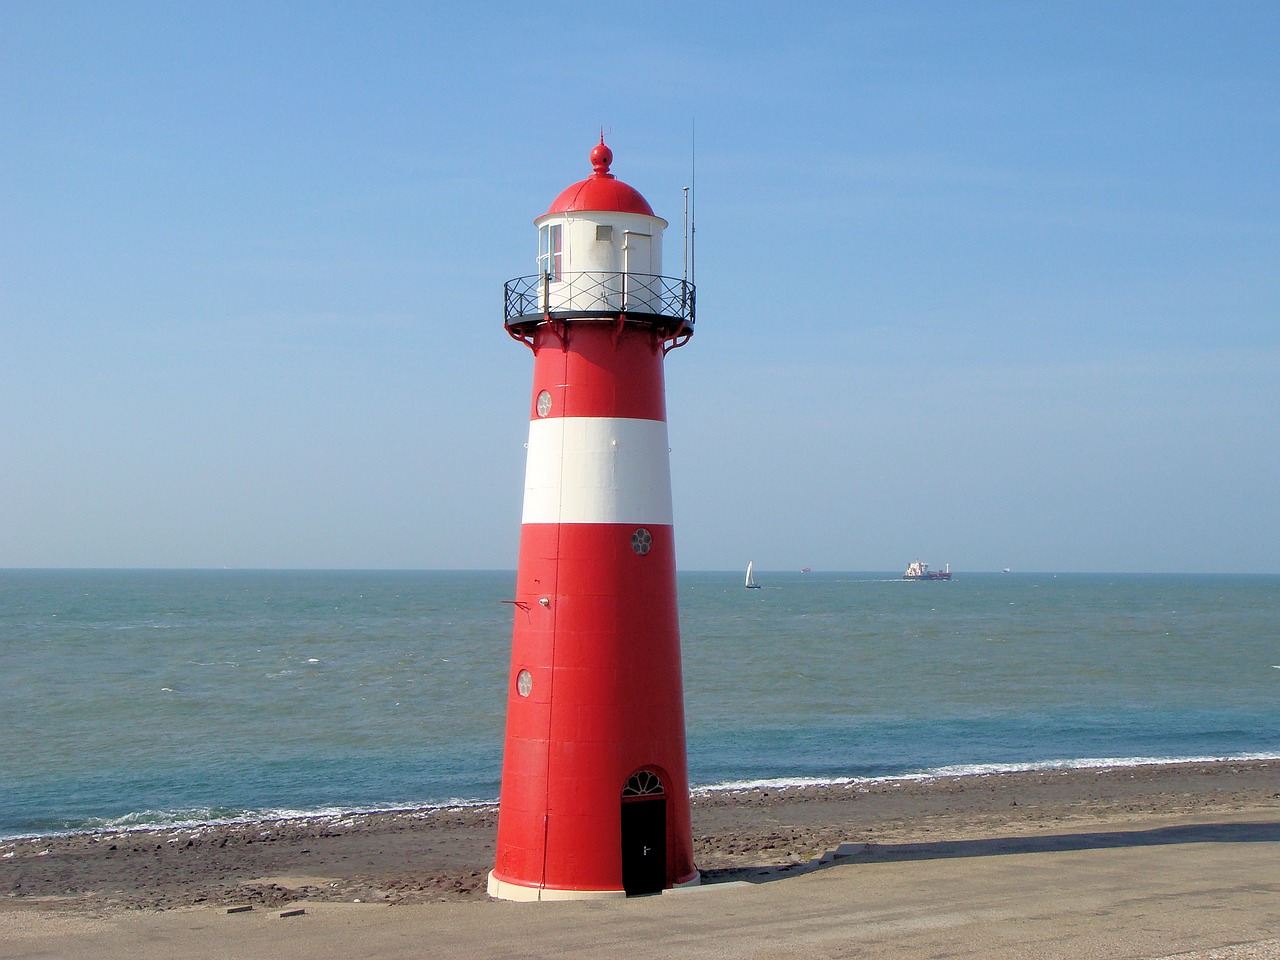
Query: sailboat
[751, 577]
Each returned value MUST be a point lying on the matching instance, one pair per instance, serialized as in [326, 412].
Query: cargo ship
[920, 571]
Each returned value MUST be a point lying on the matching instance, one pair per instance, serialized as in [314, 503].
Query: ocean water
[150, 697]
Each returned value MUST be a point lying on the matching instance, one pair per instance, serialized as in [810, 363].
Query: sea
[133, 698]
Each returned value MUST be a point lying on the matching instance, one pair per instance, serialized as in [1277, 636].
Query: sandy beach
[1150, 861]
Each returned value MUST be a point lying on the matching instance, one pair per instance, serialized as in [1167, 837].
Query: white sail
[751, 580]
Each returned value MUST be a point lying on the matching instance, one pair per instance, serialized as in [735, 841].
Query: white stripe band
[597, 470]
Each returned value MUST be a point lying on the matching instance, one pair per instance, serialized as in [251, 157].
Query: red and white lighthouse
[595, 791]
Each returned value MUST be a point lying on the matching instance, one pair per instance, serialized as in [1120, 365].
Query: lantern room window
[550, 250]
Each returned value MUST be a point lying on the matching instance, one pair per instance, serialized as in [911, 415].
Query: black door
[644, 846]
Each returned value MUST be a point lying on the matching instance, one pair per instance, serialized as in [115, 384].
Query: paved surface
[1211, 894]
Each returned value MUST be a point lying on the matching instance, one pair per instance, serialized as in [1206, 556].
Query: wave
[972, 770]
[201, 818]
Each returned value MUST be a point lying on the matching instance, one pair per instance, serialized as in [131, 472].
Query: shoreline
[114, 827]
[443, 854]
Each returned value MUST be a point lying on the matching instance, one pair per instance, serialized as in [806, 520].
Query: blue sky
[988, 284]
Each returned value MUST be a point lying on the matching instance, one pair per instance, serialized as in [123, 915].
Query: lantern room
[600, 257]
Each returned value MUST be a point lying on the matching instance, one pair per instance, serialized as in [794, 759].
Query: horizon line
[724, 570]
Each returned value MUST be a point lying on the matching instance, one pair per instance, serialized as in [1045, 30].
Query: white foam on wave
[775, 783]
[972, 770]
[204, 818]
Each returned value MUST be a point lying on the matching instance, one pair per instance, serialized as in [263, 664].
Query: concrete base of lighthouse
[505, 890]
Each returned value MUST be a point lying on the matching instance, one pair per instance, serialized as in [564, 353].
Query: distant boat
[1007, 570]
[806, 569]
[920, 571]
[751, 577]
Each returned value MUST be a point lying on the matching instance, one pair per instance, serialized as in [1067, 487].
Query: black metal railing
[665, 302]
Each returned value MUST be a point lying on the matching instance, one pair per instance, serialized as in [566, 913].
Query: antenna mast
[693, 198]
[686, 234]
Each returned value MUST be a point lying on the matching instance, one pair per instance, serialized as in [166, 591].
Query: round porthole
[544, 403]
[524, 683]
[642, 541]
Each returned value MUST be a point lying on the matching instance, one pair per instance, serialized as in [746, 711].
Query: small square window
[604, 232]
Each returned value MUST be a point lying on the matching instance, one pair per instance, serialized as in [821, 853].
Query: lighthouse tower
[595, 792]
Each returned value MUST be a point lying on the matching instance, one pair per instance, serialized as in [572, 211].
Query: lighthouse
[595, 787]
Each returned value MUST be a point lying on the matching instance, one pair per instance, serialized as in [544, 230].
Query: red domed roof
[601, 191]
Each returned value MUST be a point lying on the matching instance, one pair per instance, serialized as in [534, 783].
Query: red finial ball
[601, 157]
